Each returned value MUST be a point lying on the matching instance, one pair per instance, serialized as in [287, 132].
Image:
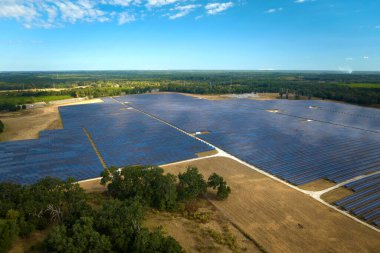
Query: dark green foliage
[36, 206]
[217, 182]
[148, 184]
[8, 232]
[1, 126]
[191, 184]
[81, 238]
[121, 220]
[155, 242]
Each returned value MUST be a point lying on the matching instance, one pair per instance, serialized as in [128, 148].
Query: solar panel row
[365, 202]
[123, 137]
[290, 147]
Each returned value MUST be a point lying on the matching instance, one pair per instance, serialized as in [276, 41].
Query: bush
[1, 126]
[217, 182]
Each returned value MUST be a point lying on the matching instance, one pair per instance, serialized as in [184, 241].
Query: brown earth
[280, 218]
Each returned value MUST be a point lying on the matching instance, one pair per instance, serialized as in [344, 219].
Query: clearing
[27, 124]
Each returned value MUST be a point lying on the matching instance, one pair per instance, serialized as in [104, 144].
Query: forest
[18, 88]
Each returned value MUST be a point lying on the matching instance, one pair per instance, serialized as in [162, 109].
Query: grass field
[362, 85]
[29, 100]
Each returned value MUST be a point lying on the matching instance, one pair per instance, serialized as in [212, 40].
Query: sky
[342, 35]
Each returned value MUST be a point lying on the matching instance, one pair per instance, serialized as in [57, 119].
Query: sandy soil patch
[27, 124]
[336, 194]
[317, 185]
[280, 218]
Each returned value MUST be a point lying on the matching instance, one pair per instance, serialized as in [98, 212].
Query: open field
[280, 218]
[27, 124]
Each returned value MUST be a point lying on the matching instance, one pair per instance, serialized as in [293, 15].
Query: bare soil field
[27, 124]
[280, 218]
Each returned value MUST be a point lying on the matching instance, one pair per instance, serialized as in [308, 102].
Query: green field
[362, 85]
[28, 100]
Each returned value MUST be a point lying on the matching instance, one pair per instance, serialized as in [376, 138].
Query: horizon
[229, 35]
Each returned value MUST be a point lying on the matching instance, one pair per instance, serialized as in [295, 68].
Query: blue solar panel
[123, 137]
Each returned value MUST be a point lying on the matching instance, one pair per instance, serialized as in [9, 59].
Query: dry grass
[215, 234]
[27, 124]
[207, 153]
[337, 194]
[280, 218]
[317, 185]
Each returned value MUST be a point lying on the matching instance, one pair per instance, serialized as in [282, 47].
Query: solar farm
[296, 141]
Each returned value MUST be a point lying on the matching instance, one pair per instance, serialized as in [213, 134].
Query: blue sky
[189, 34]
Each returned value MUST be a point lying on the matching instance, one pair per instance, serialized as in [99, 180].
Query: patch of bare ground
[336, 194]
[27, 124]
[279, 218]
[206, 230]
[92, 185]
[317, 185]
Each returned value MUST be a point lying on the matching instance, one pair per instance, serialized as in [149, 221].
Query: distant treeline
[324, 85]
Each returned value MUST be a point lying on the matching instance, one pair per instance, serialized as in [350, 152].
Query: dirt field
[27, 124]
[282, 219]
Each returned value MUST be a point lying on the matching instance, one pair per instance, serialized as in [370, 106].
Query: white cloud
[273, 10]
[215, 8]
[365, 57]
[159, 3]
[183, 10]
[303, 1]
[125, 18]
[57, 13]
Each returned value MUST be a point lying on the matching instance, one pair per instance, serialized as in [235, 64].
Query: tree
[81, 238]
[217, 182]
[149, 184]
[191, 184]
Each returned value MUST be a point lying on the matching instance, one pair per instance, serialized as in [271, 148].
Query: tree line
[115, 225]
